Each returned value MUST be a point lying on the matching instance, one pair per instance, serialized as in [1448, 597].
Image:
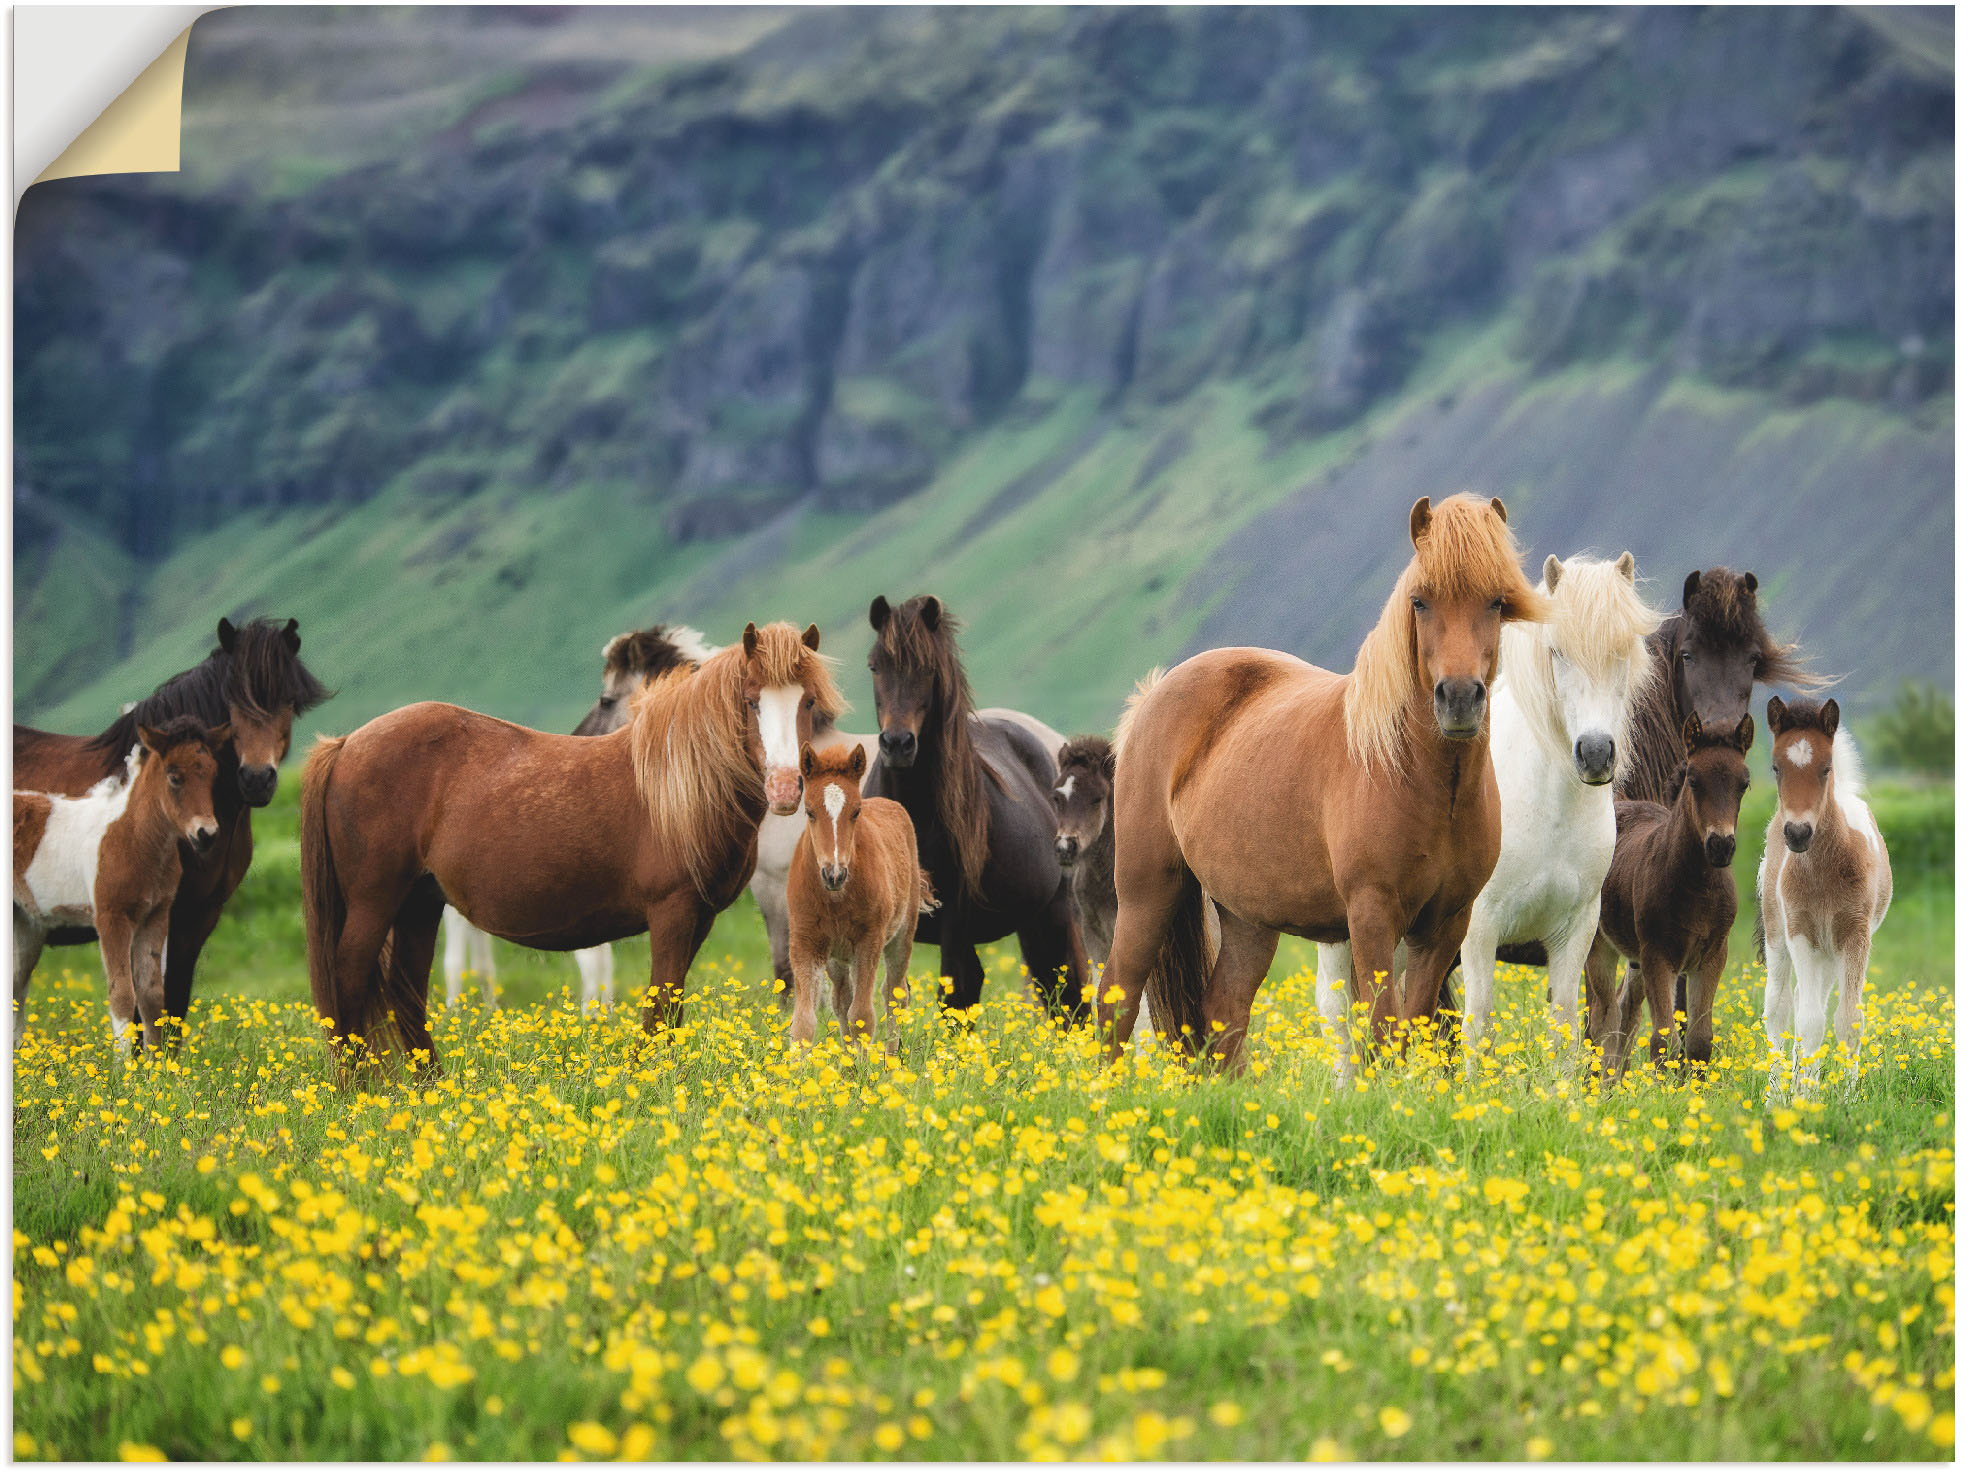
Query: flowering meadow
[575, 1243]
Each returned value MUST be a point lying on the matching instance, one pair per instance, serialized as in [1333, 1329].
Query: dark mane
[960, 804]
[1721, 604]
[1088, 754]
[646, 653]
[261, 673]
[182, 731]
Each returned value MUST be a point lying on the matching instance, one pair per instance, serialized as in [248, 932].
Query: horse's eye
[1419, 606]
[609, 699]
[1686, 655]
[177, 779]
[1496, 605]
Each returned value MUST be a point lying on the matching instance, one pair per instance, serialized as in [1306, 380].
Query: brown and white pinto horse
[554, 842]
[255, 684]
[1355, 807]
[852, 897]
[1822, 889]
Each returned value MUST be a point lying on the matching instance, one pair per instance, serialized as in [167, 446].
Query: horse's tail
[1181, 970]
[323, 905]
[926, 899]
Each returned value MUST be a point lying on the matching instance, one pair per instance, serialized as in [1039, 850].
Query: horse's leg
[858, 1022]
[597, 967]
[116, 930]
[413, 943]
[1779, 1001]
[840, 982]
[1704, 980]
[1242, 960]
[964, 970]
[678, 923]
[1335, 987]
[1657, 977]
[480, 947]
[1632, 996]
[1373, 930]
[1815, 970]
[1854, 956]
[1428, 969]
[193, 918]
[1602, 993]
[28, 940]
[809, 967]
[456, 945]
[147, 972]
[1479, 959]
[771, 897]
[895, 980]
[1055, 957]
[1565, 959]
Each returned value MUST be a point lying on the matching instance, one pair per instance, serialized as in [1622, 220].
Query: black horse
[978, 790]
[255, 681]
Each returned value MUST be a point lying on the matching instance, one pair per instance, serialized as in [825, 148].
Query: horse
[1357, 807]
[853, 896]
[1084, 838]
[629, 661]
[555, 842]
[1823, 894]
[1560, 725]
[255, 683]
[978, 790]
[109, 859]
[1669, 900]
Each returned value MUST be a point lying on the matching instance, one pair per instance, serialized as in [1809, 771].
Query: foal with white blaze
[1822, 888]
[109, 859]
[1559, 722]
[852, 895]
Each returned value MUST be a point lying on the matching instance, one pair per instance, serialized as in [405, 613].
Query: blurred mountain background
[471, 337]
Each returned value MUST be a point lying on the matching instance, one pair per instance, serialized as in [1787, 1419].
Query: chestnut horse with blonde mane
[1356, 807]
[553, 842]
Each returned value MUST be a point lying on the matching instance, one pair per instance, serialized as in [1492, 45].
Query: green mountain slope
[470, 338]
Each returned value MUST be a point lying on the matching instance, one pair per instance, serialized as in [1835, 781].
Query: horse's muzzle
[898, 748]
[782, 790]
[202, 838]
[1068, 849]
[1459, 705]
[1592, 755]
[1721, 849]
[1797, 836]
[256, 785]
[834, 877]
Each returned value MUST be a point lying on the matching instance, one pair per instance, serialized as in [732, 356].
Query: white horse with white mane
[1560, 715]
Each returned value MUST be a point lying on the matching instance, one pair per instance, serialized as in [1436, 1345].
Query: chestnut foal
[852, 895]
[1669, 900]
[110, 859]
[1822, 889]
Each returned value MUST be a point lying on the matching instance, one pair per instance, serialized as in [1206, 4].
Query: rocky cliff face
[809, 269]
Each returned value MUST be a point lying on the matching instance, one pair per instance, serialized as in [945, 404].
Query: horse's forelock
[263, 673]
[1467, 552]
[782, 658]
[1723, 608]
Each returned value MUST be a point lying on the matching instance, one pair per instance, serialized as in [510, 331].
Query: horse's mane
[960, 804]
[1723, 605]
[1465, 551]
[1088, 754]
[692, 769]
[261, 673]
[1598, 619]
[647, 653]
[1140, 693]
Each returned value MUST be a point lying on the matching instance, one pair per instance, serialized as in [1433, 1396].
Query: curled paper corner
[66, 63]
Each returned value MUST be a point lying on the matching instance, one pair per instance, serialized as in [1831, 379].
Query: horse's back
[1208, 719]
[1005, 732]
[48, 761]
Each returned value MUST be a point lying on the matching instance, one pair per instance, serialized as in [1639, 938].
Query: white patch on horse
[779, 725]
[690, 643]
[835, 799]
[1066, 789]
[60, 879]
[1799, 753]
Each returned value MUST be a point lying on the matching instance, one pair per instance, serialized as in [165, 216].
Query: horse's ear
[228, 635]
[1496, 505]
[1745, 734]
[1749, 583]
[806, 759]
[1828, 718]
[811, 638]
[1774, 713]
[151, 737]
[857, 762]
[878, 612]
[932, 612]
[1688, 588]
[1418, 518]
[751, 640]
[1553, 570]
[1625, 566]
[1691, 730]
[291, 636]
[218, 736]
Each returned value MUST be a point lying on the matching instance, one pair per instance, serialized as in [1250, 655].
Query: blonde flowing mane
[693, 770]
[1141, 688]
[1464, 552]
[1598, 622]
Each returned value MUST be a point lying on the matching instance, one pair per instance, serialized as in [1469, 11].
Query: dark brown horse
[1082, 808]
[1358, 807]
[1669, 900]
[978, 789]
[254, 682]
[553, 842]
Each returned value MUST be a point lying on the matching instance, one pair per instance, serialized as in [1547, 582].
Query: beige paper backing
[138, 132]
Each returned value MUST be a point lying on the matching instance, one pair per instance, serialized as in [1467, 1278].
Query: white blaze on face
[1799, 752]
[779, 731]
[1066, 789]
[836, 801]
